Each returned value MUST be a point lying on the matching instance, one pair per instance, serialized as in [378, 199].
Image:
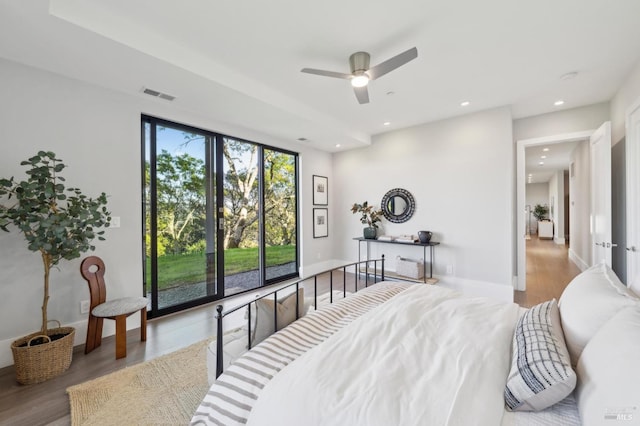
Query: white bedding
[426, 356]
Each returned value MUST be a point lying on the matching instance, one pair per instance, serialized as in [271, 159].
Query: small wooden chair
[92, 269]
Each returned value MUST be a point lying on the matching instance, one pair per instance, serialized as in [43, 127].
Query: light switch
[115, 222]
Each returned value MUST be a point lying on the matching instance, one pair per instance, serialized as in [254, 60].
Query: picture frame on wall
[320, 190]
[320, 223]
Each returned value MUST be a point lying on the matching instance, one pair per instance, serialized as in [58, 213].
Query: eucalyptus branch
[369, 215]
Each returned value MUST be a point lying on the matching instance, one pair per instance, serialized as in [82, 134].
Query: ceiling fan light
[360, 80]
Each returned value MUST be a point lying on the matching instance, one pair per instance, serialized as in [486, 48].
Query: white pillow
[234, 345]
[262, 312]
[588, 302]
[608, 390]
[541, 373]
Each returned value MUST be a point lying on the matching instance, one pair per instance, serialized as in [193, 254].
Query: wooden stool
[92, 269]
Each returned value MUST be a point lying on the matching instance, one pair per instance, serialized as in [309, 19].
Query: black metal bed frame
[220, 315]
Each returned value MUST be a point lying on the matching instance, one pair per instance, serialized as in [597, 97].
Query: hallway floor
[549, 270]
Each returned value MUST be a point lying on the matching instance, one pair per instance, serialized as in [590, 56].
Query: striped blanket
[230, 399]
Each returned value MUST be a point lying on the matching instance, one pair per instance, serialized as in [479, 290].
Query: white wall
[565, 206]
[536, 193]
[628, 94]
[460, 172]
[589, 117]
[580, 206]
[97, 134]
[556, 199]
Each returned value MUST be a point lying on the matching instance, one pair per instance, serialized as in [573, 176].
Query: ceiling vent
[157, 94]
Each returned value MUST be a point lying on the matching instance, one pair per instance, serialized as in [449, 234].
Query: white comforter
[425, 357]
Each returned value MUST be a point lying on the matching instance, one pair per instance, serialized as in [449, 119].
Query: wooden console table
[430, 245]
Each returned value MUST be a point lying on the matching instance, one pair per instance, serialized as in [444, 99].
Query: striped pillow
[541, 373]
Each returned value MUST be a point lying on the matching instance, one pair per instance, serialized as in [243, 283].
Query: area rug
[164, 391]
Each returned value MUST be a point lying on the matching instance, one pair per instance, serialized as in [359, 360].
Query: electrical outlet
[449, 269]
[84, 307]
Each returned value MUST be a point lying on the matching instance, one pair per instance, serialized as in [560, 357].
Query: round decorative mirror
[398, 205]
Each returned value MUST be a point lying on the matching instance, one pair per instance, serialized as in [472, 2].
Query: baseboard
[515, 283]
[559, 240]
[578, 260]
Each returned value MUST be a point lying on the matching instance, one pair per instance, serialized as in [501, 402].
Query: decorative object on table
[398, 205]
[407, 239]
[320, 191]
[424, 236]
[320, 223]
[410, 268]
[370, 216]
[60, 224]
[540, 212]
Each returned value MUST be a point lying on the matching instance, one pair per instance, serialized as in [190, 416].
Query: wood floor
[549, 270]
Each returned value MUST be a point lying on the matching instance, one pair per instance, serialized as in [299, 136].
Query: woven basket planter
[37, 363]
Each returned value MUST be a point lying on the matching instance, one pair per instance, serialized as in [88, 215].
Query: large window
[220, 215]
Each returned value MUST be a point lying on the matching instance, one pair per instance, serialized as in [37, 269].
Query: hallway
[549, 270]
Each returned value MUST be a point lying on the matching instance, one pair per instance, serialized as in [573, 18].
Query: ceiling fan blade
[362, 94]
[393, 63]
[326, 73]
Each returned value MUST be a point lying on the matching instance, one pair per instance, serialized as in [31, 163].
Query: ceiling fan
[361, 74]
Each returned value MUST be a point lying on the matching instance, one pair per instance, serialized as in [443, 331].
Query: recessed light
[302, 139]
[465, 103]
[337, 145]
[389, 93]
[541, 163]
[545, 149]
[559, 102]
[386, 123]
[543, 156]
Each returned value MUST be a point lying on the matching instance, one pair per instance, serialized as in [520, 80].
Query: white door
[601, 194]
[633, 197]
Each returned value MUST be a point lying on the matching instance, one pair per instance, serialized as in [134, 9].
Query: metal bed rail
[220, 315]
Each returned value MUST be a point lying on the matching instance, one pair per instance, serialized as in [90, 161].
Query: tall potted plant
[370, 216]
[58, 223]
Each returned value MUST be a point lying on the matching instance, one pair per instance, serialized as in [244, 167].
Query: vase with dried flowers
[370, 216]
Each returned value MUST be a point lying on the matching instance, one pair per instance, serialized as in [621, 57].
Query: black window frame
[217, 139]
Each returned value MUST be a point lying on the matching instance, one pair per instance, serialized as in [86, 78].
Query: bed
[412, 354]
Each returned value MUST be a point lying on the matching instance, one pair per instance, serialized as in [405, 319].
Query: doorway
[555, 200]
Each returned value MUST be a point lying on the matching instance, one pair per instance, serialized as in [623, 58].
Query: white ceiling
[239, 61]
[557, 157]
